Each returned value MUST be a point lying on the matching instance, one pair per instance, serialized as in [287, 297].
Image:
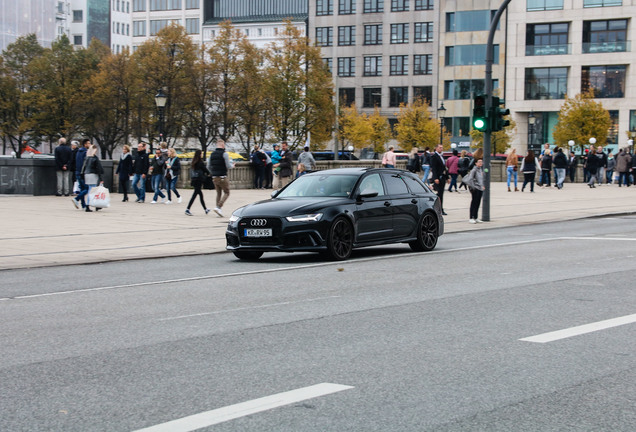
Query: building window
[399, 5]
[347, 96]
[157, 5]
[127, 29]
[605, 36]
[372, 97]
[118, 1]
[128, 7]
[462, 55]
[422, 64]
[547, 39]
[139, 28]
[546, 83]
[346, 66]
[372, 66]
[139, 5]
[346, 35]
[399, 33]
[324, 7]
[328, 62]
[157, 25]
[372, 6]
[612, 134]
[398, 96]
[192, 25]
[424, 5]
[399, 65]
[77, 40]
[423, 32]
[602, 3]
[347, 7]
[373, 34]
[192, 4]
[478, 20]
[324, 36]
[175, 4]
[78, 16]
[118, 31]
[424, 93]
[541, 5]
[605, 81]
[459, 126]
[465, 89]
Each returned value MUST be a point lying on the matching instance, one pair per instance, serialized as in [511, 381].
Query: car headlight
[233, 218]
[313, 217]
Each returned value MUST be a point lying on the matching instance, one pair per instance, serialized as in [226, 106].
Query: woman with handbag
[173, 169]
[511, 167]
[93, 171]
[197, 173]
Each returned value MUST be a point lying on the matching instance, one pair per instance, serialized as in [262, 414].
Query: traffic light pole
[490, 54]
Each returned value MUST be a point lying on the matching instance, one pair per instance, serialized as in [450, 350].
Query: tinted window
[416, 186]
[372, 182]
[320, 186]
[394, 184]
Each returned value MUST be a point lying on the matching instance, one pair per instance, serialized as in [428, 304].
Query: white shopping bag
[76, 188]
[99, 197]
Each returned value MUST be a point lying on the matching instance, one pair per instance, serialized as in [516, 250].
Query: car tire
[427, 234]
[340, 240]
[248, 255]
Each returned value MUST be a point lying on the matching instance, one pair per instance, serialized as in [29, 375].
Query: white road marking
[582, 329]
[248, 308]
[220, 415]
[306, 266]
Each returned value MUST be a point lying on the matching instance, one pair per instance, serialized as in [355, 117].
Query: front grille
[274, 223]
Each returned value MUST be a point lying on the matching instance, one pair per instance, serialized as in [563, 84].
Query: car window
[372, 182]
[415, 184]
[320, 186]
[394, 184]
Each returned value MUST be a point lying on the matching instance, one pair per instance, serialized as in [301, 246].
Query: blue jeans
[545, 177]
[427, 170]
[172, 186]
[83, 189]
[560, 176]
[139, 191]
[156, 186]
[511, 170]
[453, 182]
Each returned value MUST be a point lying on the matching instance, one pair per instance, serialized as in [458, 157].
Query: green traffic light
[479, 124]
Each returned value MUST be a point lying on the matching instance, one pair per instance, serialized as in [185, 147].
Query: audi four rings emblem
[258, 222]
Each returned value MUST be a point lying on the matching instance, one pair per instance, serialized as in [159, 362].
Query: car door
[373, 215]
[403, 204]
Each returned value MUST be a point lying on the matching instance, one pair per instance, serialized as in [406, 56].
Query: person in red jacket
[452, 164]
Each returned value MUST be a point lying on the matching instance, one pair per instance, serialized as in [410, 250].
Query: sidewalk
[46, 231]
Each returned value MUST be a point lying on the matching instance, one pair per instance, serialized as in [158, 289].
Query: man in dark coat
[140, 168]
[592, 164]
[63, 155]
[439, 174]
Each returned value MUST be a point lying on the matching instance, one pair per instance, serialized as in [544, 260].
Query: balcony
[606, 47]
[537, 50]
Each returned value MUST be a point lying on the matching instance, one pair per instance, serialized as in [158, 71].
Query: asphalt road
[407, 341]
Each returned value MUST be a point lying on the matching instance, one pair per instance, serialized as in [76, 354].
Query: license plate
[258, 232]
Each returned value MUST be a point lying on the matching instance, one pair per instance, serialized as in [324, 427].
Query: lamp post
[531, 122]
[441, 114]
[160, 100]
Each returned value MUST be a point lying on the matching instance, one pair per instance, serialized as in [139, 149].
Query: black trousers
[439, 188]
[197, 191]
[528, 178]
[123, 184]
[475, 202]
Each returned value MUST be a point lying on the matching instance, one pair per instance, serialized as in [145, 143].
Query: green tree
[580, 119]
[416, 126]
[300, 90]
[16, 123]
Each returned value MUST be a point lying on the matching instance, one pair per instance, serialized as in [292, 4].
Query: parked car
[335, 211]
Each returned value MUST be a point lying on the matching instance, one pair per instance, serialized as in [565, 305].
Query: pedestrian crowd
[275, 169]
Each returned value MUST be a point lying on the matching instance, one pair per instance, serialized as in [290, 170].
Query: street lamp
[160, 100]
[441, 114]
[592, 141]
[531, 121]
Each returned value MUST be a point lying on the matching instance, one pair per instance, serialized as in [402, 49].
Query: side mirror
[368, 193]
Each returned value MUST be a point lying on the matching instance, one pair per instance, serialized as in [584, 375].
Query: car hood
[288, 206]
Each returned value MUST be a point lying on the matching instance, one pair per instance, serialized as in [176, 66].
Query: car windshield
[320, 186]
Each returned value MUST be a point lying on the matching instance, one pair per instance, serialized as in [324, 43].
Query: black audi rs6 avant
[336, 211]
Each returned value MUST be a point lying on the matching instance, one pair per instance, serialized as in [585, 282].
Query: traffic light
[480, 116]
[498, 114]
